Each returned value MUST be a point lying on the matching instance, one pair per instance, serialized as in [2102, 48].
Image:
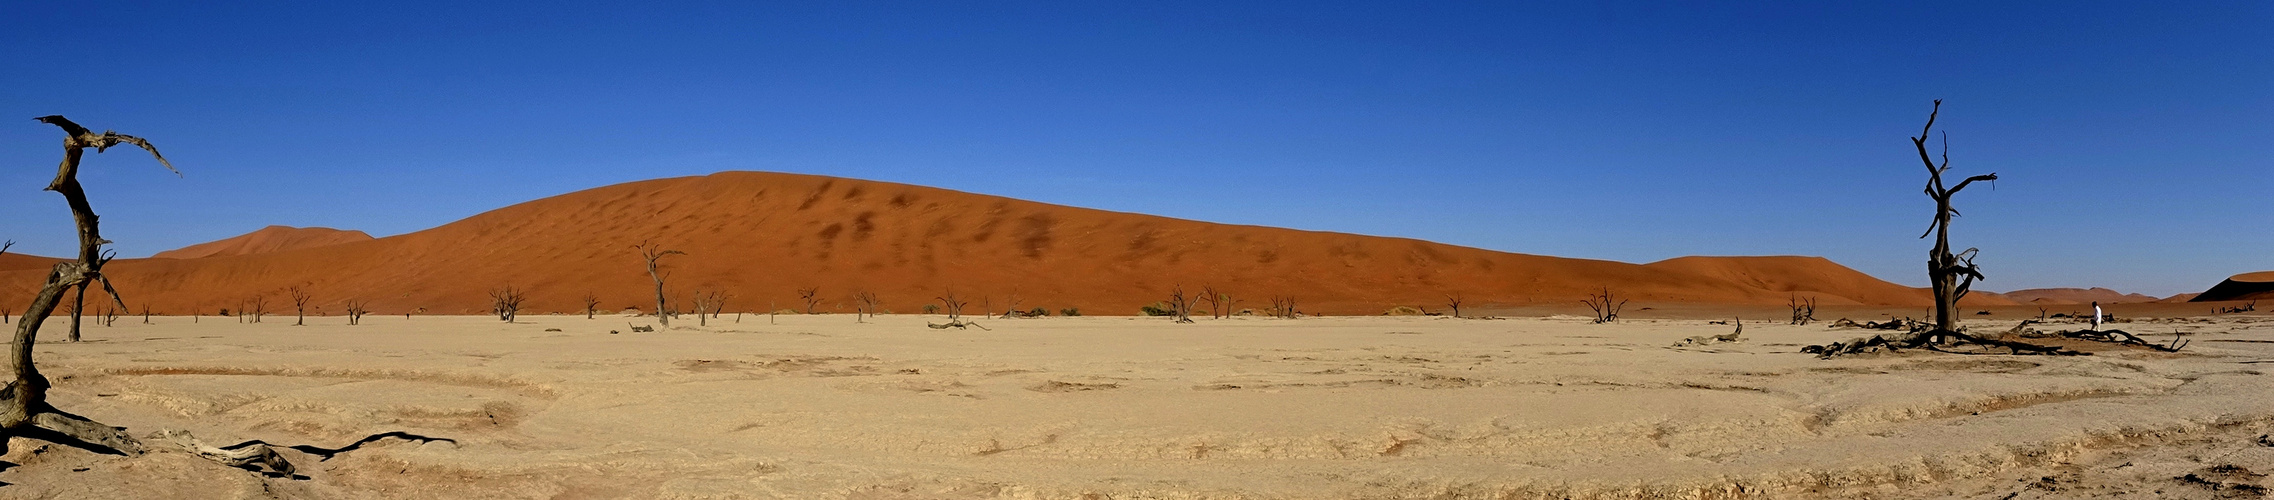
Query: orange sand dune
[2245, 286]
[2051, 296]
[760, 236]
[1831, 283]
[266, 240]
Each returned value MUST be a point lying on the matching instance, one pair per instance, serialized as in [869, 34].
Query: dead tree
[1949, 275]
[257, 307]
[651, 252]
[811, 296]
[865, 303]
[24, 410]
[356, 308]
[951, 305]
[1180, 306]
[591, 302]
[1453, 300]
[1803, 309]
[505, 301]
[706, 303]
[954, 309]
[1215, 301]
[1605, 305]
[299, 305]
[1283, 306]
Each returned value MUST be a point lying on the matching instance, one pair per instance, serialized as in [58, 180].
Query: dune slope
[267, 240]
[761, 236]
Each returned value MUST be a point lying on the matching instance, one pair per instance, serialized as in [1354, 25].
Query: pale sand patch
[1117, 407]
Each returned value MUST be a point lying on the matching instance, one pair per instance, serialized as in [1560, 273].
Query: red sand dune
[2050, 296]
[2245, 286]
[760, 236]
[267, 240]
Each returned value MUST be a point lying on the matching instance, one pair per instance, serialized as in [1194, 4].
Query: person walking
[2096, 315]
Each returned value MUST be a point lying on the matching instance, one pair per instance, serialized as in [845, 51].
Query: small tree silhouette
[299, 305]
[506, 302]
[651, 252]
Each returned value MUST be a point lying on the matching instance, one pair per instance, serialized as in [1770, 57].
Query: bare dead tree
[591, 303]
[1180, 305]
[1803, 309]
[257, 307]
[299, 305]
[1215, 301]
[505, 301]
[1013, 304]
[356, 308]
[866, 302]
[954, 308]
[707, 302]
[24, 409]
[651, 252]
[1950, 275]
[1606, 306]
[1283, 306]
[951, 305]
[811, 296]
[1453, 300]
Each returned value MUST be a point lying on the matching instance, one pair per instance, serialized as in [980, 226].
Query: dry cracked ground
[1127, 408]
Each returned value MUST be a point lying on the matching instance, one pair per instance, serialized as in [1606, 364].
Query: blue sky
[2133, 140]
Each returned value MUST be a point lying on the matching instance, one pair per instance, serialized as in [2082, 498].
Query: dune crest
[267, 240]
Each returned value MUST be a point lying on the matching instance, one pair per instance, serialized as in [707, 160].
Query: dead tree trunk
[1453, 300]
[23, 400]
[506, 302]
[590, 302]
[78, 306]
[652, 252]
[1215, 301]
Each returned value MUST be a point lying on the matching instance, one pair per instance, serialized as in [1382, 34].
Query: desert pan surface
[819, 406]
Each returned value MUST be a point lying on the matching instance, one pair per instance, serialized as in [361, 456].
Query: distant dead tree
[356, 308]
[256, 307]
[1803, 309]
[591, 303]
[1180, 305]
[505, 301]
[1283, 306]
[811, 296]
[299, 305]
[24, 409]
[1454, 300]
[865, 303]
[1013, 304]
[954, 308]
[651, 252]
[1214, 299]
[145, 314]
[707, 302]
[1606, 306]
[951, 305]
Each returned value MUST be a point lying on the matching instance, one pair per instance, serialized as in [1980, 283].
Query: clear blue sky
[2134, 140]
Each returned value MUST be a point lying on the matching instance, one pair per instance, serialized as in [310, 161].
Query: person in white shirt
[2096, 316]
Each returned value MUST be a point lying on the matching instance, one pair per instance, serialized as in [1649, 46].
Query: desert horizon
[1142, 251]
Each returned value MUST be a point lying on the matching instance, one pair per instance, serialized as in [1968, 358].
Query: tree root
[261, 456]
[956, 324]
[55, 425]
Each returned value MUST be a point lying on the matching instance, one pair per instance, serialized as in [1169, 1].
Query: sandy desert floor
[1126, 408]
